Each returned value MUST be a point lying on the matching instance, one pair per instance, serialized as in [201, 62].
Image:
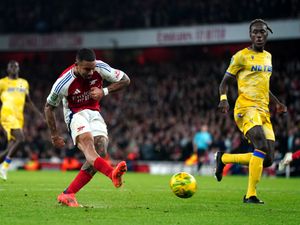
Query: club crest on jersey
[252, 57]
[92, 82]
[263, 68]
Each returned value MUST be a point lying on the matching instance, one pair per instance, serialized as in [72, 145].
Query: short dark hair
[85, 54]
[260, 21]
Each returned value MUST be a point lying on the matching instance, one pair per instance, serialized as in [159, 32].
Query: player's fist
[223, 106]
[281, 108]
[57, 141]
[96, 93]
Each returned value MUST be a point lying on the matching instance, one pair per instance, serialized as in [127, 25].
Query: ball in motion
[183, 185]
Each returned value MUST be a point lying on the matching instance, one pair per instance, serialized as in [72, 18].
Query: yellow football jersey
[13, 95]
[253, 71]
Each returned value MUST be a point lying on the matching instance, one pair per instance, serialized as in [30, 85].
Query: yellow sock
[255, 171]
[236, 158]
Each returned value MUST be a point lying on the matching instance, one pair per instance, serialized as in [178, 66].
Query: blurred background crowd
[64, 16]
[165, 105]
[170, 98]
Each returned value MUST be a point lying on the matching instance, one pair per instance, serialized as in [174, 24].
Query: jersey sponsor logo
[83, 97]
[262, 68]
[77, 91]
[80, 128]
[16, 89]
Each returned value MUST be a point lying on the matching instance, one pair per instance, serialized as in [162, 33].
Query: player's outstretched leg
[68, 200]
[117, 174]
[219, 166]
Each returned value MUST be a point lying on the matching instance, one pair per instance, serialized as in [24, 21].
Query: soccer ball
[183, 185]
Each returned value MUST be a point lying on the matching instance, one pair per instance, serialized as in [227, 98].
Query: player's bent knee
[85, 143]
[257, 138]
[261, 145]
[85, 137]
[268, 162]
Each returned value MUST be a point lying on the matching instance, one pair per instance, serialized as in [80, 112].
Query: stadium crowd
[63, 16]
[166, 103]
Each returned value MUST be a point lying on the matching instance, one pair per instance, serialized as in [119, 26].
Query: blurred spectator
[33, 163]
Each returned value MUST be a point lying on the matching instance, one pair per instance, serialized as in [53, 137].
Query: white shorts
[87, 121]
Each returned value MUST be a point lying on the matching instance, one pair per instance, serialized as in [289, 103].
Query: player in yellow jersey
[252, 68]
[14, 94]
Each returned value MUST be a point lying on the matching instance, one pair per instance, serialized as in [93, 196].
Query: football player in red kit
[80, 88]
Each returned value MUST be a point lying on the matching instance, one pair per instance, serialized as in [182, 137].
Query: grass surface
[30, 198]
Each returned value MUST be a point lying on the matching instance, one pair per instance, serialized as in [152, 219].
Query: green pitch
[29, 198]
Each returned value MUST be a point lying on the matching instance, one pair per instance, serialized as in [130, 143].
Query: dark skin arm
[97, 93]
[224, 105]
[31, 106]
[114, 87]
[57, 140]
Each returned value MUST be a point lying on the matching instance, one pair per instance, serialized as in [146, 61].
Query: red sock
[80, 180]
[103, 167]
[296, 155]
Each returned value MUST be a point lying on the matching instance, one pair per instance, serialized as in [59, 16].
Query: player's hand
[96, 93]
[57, 141]
[281, 108]
[223, 106]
